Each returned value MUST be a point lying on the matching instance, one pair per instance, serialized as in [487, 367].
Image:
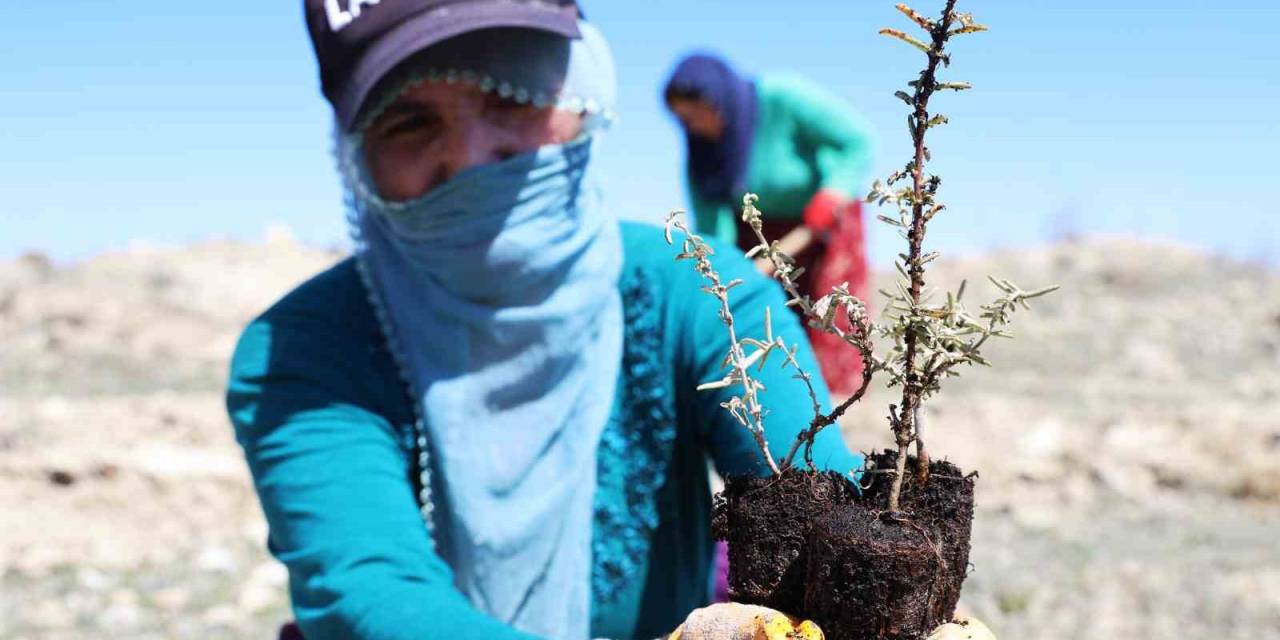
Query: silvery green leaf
[751, 359]
[971, 28]
[719, 384]
[820, 307]
[1040, 292]
[895, 33]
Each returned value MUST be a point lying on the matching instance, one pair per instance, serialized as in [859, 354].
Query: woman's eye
[404, 125]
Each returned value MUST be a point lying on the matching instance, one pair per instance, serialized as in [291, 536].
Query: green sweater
[327, 428]
[806, 140]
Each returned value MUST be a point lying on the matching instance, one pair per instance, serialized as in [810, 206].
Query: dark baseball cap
[357, 42]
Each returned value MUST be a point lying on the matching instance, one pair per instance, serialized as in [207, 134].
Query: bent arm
[838, 135]
[335, 487]
[788, 406]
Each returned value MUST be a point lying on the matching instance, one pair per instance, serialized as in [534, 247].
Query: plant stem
[858, 337]
[740, 365]
[922, 454]
[911, 389]
[822, 421]
[746, 408]
[748, 382]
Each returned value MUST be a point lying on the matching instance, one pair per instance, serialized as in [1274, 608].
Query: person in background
[806, 154]
[484, 424]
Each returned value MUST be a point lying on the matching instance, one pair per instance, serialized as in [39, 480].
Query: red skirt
[835, 257]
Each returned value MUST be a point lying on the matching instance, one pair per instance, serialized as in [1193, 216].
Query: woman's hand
[793, 244]
[732, 621]
[823, 209]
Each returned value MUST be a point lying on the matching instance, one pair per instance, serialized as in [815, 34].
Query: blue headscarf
[718, 169]
[498, 294]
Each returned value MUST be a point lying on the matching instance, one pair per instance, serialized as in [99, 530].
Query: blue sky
[172, 122]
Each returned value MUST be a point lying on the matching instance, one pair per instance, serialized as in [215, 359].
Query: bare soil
[1128, 443]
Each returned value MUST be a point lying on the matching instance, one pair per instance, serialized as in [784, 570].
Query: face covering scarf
[497, 292]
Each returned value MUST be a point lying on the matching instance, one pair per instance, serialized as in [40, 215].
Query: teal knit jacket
[327, 428]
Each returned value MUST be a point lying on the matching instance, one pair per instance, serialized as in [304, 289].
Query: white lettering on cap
[338, 18]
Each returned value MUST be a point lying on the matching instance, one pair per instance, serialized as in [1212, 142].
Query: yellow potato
[963, 629]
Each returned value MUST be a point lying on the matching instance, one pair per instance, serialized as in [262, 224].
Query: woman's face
[698, 118]
[435, 130]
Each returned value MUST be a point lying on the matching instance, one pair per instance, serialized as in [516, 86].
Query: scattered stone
[254, 598]
[50, 615]
[106, 471]
[217, 559]
[272, 574]
[122, 613]
[224, 615]
[61, 477]
[94, 580]
[171, 599]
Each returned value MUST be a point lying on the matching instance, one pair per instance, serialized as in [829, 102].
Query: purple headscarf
[718, 169]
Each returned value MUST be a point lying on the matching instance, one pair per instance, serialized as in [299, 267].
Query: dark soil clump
[766, 522]
[871, 576]
[809, 545]
[944, 507]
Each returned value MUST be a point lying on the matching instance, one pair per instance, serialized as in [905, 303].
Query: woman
[804, 152]
[485, 424]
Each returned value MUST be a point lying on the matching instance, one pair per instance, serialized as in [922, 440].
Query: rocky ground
[1128, 443]
[128, 507]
